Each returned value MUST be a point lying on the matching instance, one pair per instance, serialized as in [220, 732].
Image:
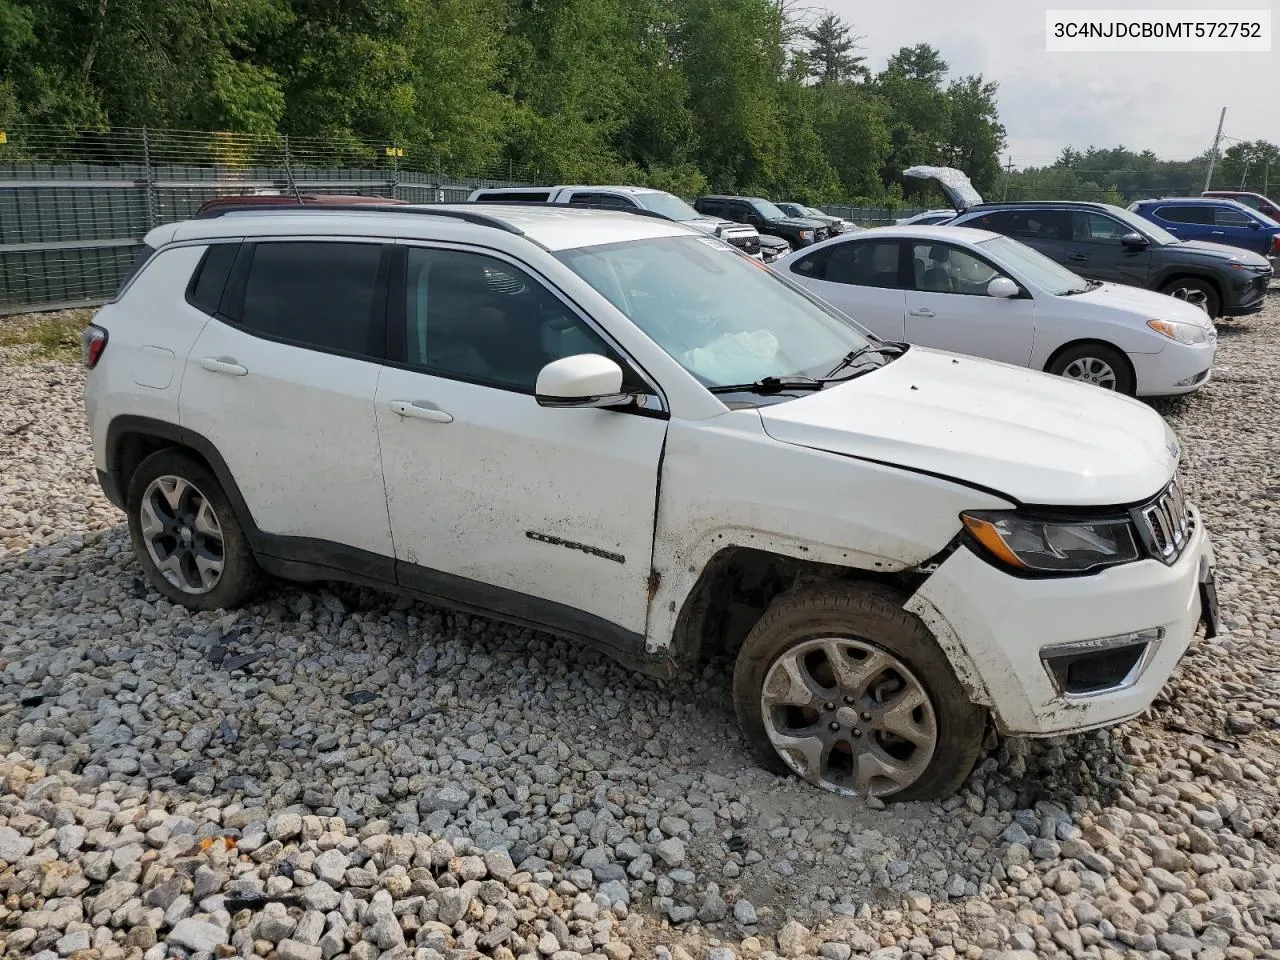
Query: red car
[1256, 200]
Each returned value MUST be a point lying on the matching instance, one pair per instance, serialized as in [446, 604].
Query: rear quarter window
[204, 292]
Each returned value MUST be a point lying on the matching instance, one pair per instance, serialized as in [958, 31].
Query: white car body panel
[297, 432]
[1059, 442]
[869, 477]
[1023, 331]
[476, 497]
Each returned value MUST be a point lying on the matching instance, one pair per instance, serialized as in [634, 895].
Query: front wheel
[1095, 363]
[1198, 293]
[841, 686]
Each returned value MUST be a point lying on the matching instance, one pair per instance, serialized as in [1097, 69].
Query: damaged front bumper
[1059, 655]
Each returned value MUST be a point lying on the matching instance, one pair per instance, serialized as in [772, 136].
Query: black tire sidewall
[871, 614]
[1116, 358]
[241, 576]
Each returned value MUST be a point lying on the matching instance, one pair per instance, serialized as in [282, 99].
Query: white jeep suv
[625, 432]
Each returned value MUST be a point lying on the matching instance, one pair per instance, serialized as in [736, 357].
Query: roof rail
[637, 211]
[426, 210]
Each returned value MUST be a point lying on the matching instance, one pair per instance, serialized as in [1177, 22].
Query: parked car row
[1106, 243]
[616, 427]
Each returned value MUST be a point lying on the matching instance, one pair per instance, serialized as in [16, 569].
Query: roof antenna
[288, 171]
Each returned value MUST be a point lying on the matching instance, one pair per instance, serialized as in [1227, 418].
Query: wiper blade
[772, 385]
[853, 356]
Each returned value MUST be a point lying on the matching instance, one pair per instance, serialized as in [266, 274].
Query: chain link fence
[75, 204]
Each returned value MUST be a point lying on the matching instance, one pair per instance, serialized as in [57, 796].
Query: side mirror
[1002, 287]
[1134, 239]
[1254, 225]
[584, 380]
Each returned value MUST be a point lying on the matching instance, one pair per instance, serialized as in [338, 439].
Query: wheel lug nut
[835, 726]
[857, 733]
[828, 706]
[848, 700]
[866, 716]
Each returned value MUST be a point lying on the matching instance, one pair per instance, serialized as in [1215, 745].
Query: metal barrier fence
[76, 204]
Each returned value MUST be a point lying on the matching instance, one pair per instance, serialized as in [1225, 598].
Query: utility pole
[1244, 177]
[1266, 174]
[1213, 151]
[1008, 172]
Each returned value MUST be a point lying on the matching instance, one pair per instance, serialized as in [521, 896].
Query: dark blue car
[1213, 219]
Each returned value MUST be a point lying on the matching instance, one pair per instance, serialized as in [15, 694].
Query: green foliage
[735, 95]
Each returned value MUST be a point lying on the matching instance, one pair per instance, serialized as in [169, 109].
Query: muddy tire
[187, 536]
[841, 686]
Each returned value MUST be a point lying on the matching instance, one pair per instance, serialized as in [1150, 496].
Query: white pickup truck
[744, 237]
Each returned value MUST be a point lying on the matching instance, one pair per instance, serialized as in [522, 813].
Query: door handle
[225, 365]
[421, 410]
[1217, 233]
[1078, 257]
[923, 312]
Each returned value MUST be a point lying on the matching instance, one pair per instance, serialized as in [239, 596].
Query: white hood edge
[1032, 437]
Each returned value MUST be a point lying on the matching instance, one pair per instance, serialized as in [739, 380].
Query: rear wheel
[1095, 363]
[187, 536]
[841, 686]
[1199, 293]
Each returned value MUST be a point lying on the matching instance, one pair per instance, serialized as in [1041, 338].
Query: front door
[1097, 253]
[282, 384]
[948, 307]
[538, 514]
[1236, 228]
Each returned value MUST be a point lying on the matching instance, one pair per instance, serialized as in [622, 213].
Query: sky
[1166, 102]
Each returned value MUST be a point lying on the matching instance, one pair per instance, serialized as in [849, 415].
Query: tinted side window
[1032, 224]
[814, 265]
[864, 264]
[514, 196]
[712, 207]
[1100, 228]
[606, 200]
[315, 293]
[210, 278]
[1228, 217]
[1007, 222]
[474, 317]
[1187, 213]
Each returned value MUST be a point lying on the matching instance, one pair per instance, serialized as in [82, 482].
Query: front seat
[464, 322]
[937, 277]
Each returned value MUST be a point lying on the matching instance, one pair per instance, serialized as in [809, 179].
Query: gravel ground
[336, 773]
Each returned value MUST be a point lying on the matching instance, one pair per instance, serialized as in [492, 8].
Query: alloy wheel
[182, 534]
[1197, 298]
[849, 717]
[1091, 370]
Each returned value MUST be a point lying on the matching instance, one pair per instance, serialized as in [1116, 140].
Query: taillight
[92, 342]
[1275, 245]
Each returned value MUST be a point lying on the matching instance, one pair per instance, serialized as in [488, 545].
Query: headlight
[1042, 546]
[806, 234]
[1177, 330]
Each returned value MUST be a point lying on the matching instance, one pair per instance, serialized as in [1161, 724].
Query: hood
[1203, 248]
[1035, 438]
[1148, 303]
[715, 225]
[953, 182]
[775, 243]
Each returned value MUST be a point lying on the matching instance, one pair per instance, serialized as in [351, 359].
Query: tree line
[690, 95]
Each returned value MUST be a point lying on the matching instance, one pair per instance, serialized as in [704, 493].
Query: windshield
[722, 316]
[668, 206]
[1034, 267]
[812, 212]
[1141, 224]
[770, 211]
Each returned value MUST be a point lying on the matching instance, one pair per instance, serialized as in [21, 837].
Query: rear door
[862, 278]
[1186, 221]
[1047, 231]
[948, 307]
[1096, 252]
[282, 382]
